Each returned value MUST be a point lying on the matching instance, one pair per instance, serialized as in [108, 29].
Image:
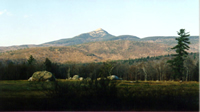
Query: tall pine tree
[177, 62]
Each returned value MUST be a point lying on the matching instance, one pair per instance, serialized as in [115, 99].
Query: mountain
[102, 35]
[93, 36]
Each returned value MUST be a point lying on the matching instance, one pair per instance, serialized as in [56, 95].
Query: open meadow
[99, 95]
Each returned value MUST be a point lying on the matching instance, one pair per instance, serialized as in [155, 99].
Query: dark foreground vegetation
[99, 95]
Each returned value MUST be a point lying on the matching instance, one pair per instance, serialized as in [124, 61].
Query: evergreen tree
[30, 60]
[177, 63]
[47, 64]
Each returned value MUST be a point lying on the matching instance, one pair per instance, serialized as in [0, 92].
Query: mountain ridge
[100, 35]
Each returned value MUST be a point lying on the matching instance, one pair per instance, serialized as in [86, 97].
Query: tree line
[150, 68]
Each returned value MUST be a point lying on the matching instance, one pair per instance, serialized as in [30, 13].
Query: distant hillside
[91, 52]
[170, 41]
[124, 49]
[55, 54]
[126, 37]
[10, 48]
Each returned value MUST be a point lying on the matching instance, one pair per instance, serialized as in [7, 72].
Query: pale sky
[40, 21]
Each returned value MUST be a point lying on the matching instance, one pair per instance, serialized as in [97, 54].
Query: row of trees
[140, 70]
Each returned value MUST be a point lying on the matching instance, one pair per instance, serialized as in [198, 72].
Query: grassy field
[149, 95]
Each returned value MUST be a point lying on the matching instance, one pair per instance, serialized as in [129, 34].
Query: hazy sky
[40, 21]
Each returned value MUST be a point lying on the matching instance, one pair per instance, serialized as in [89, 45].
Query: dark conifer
[47, 64]
[30, 60]
[177, 63]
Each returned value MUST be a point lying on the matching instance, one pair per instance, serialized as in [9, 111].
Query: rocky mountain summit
[93, 36]
[98, 33]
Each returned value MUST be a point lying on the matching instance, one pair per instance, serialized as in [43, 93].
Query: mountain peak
[98, 33]
[99, 29]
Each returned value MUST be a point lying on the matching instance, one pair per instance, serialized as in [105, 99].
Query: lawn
[130, 95]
